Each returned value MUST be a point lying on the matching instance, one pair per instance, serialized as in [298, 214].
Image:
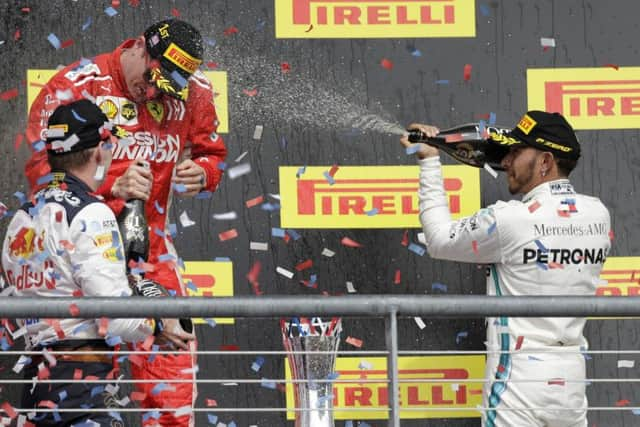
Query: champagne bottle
[134, 230]
[469, 144]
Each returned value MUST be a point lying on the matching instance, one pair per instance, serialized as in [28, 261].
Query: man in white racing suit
[65, 242]
[552, 242]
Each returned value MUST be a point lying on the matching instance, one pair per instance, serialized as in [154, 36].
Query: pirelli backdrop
[317, 201]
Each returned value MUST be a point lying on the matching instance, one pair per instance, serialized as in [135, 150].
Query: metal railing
[390, 307]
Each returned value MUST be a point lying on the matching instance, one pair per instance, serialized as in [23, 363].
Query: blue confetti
[257, 364]
[442, 82]
[54, 40]
[151, 414]
[204, 195]
[313, 279]
[270, 207]
[81, 327]
[412, 149]
[484, 10]
[45, 179]
[210, 41]
[180, 188]
[173, 230]
[283, 143]
[166, 257]
[210, 322]
[97, 390]
[372, 212]
[158, 207]
[107, 146]
[56, 416]
[294, 234]
[222, 259]
[266, 383]
[348, 424]
[231, 424]
[87, 23]
[213, 419]
[110, 11]
[492, 228]
[38, 146]
[222, 166]
[540, 246]
[535, 358]
[158, 232]
[113, 341]
[482, 126]
[158, 388]
[492, 119]
[20, 196]
[329, 178]
[177, 77]
[417, 249]
[333, 376]
[461, 335]
[62, 395]
[4, 345]
[261, 24]
[192, 286]
[277, 232]
[78, 117]
[439, 287]
[116, 415]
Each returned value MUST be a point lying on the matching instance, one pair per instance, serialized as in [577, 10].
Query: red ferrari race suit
[162, 131]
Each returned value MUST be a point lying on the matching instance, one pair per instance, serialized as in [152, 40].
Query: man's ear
[140, 43]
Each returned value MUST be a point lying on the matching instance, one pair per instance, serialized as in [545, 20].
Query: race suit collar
[558, 186]
[116, 67]
[72, 181]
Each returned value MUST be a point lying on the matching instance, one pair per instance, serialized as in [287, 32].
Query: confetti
[541, 246]
[54, 40]
[396, 278]
[440, 287]
[354, 342]
[9, 94]
[333, 170]
[614, 66]
[285, 67]
[484, 10]
[230, 30]
[622, 402]
[491, 170]
[417, 249]
[412, 149]
[257, 364]
[534, 206]
[227, 216]
[547, 42]
[301, 171]
[328, 252]
[556, 381]
[350, 243]
[442, 82]
[87, 23]
[241, 156]
[254, 202]
[372, 212]
[250, 93]
[304, 265]
[238, 171]
[74, 310]
[519, 342]
[175, 12]
[258, 246]
[350, 288]
[283, 271]
[228, 235]
[277, 232]
[420, 322]
[110, 11]
[626, 363]
[386, 64]
[467, 72]
[460, 336]
[329, 178]
[185, 221]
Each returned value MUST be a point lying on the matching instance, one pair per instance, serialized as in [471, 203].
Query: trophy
[313, 398]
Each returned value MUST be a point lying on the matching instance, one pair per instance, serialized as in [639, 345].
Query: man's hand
[192, 176]
[135, 183]
[425, 150]
[172, 334]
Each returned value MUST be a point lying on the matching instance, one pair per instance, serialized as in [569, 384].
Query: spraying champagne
[469, 144]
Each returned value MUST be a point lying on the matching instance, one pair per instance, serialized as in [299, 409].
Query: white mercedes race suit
[553, 242]
[68, 244]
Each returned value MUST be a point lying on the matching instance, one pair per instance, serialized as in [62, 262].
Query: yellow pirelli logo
[209, 279]
[181, 58]
[526, 123]
[368, 196]
[433, 386]
[374, 18]
[36, 78]
[590, 98]
[622, 276]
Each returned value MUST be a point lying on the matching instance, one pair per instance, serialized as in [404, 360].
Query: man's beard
[520, 181]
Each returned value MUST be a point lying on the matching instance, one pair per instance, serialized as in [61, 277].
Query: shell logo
[109, 108]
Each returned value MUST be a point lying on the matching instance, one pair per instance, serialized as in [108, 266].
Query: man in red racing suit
[172, 127]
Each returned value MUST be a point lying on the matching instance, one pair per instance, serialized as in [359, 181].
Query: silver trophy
[313, 398]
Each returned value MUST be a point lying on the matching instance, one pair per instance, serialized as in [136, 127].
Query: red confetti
[333, 170]
[285, 67]
[250, 93]
[405, 238]
[611, 235]
[74, 310]
[18, 141]
[55, 323]
[622, 402]
[115, 3]
[148, 342]
[136, 359]
[134, 3]
[9, 94]
[77, 374]
[614, 66]
[454, 137]
[354, 342]
[212, 64]
[386, 64]
[304, 265]
[500, 368]
[211, 402]
[48, 404]
[6, 407]
[555, 265]
[474, 246]
[230, 30]
[16, 35]
[558, 381]
[67, 245]
[254, 202]
[66, 43]
[25, 10]
[228, 235]
[43, 372]
[476, 391]
[519, 342]
[534, 206]
[175, 12]
[396, 279]
[564, 214]
[350, 243]
[77, 293]
[252, 275]
[467, 72]
[138, 396]
[104, 324]
[229, 347]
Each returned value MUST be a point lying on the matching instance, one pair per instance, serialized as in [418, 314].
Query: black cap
[178, 48]
[543, 131]
[76, 126]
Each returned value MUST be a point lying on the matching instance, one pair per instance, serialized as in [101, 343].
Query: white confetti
[420, 322]
[64, 95]
[491, 170]
[185, 220]
[328, 252]
[455, 387]
[422, 239]
[20, 364]
[238, 171]
[257, 133]
[365, 365]
[286, 273]
[241, 156]
[350, 288]
[275, 196]
[626, 363]
[258, 246]
[547, 42]
[227, 216]
[183, 410]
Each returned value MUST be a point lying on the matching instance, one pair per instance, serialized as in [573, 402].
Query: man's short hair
[566, 166]
[68, 161]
